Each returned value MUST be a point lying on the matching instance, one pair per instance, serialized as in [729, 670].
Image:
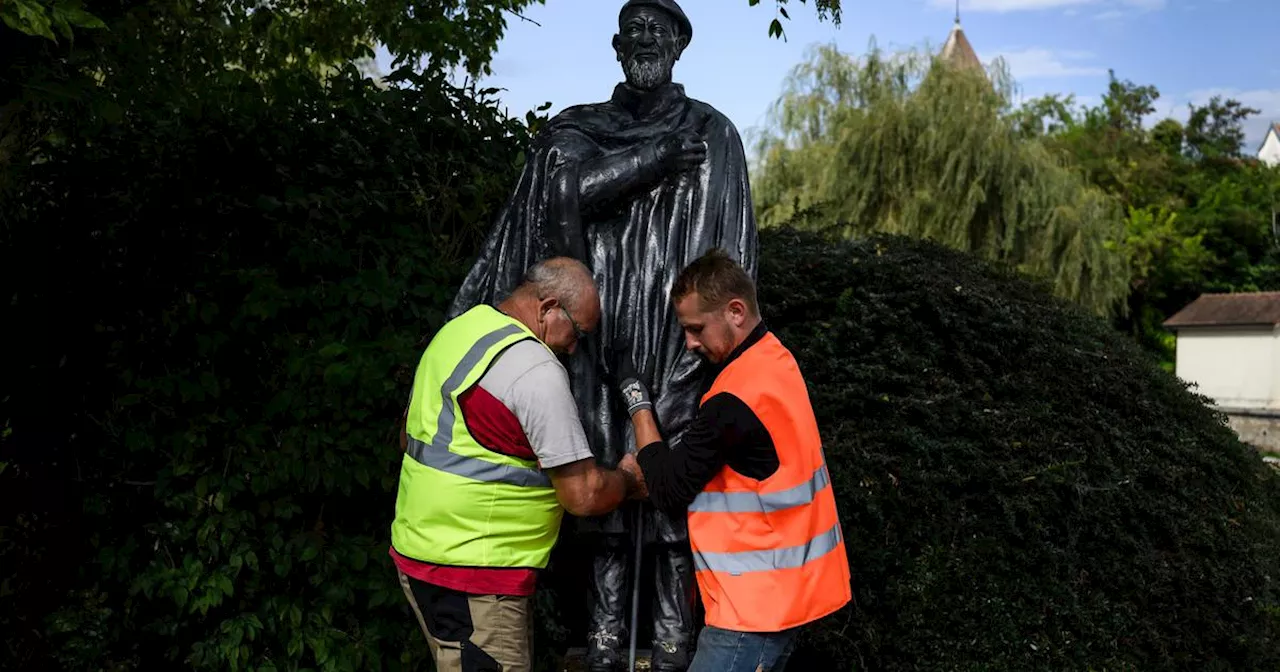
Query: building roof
[1229, 310]
[1275, 128]
[957, 50]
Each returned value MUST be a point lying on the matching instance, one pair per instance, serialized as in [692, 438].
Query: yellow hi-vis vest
[460, 503]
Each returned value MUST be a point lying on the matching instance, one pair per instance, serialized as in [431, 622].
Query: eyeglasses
[578, 333]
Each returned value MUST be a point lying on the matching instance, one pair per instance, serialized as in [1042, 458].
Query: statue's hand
[628, 381]
[682, 151]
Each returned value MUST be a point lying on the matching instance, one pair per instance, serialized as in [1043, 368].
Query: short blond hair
[717, 279]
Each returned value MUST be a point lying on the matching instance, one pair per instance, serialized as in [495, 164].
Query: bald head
[558, 300]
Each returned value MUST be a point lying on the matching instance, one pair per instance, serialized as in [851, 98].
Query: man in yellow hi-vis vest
[494, 455]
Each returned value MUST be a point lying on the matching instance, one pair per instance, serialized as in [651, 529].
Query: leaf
[27, 17]
[77, 16]
[333, 350]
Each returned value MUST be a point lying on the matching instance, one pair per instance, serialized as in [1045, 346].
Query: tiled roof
[1223, 310]
[958, 51]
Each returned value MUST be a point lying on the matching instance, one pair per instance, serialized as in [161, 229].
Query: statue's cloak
[635, 245]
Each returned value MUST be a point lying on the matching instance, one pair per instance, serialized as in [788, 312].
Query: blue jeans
[730, 651]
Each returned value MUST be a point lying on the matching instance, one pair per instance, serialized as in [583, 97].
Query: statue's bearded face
[648, 44]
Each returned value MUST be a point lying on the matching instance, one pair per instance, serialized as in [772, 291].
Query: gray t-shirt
[534, 385]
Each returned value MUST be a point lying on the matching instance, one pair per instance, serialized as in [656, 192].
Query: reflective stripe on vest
[769, 554]
[458, 502]
[775, 558]
[438, 457]
[755, 502]
[437, 454]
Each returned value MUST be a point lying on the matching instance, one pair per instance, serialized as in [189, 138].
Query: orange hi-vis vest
[769, 555]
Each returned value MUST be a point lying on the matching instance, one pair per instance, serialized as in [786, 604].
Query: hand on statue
[628, 464]
[682, 151]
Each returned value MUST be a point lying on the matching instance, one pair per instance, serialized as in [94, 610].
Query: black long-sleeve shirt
[724, 432]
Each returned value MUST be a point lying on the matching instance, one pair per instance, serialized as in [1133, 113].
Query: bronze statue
[636, 187]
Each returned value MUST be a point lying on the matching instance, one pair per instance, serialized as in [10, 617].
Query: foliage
[828, 10]
[903, 146]
[1164, 211]
[42, 18]
[177, 54]
[1214, 207]
[1020, 487]
[241, 288]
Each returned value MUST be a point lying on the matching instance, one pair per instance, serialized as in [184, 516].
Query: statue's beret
[668, 6]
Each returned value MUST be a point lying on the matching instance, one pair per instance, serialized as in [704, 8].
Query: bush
[221, 302]
[1021, 487]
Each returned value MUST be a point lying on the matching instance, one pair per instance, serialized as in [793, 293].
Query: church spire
[957, 51]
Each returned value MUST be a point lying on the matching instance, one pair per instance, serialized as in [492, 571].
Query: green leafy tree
[1199, 214]
[907, 145]
[1215, 130]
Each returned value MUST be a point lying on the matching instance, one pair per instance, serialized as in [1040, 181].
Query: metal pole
[635, 586]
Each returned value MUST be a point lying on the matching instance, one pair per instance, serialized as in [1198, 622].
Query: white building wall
[1270, 152]
[1236, 367]
[1274, 369]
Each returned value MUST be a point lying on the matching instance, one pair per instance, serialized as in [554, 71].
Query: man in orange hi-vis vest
[768, 552]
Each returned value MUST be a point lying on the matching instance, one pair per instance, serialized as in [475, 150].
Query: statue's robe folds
[635, 243]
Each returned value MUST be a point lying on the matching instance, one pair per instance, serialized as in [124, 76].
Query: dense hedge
[1021, 487]
[216, 308]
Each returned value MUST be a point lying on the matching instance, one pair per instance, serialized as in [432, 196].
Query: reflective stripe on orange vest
[769, 555]
[756, 502]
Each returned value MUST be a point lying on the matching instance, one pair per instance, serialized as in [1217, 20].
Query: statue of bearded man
[636, 187]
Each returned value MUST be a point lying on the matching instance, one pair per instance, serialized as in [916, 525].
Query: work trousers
[472, 633]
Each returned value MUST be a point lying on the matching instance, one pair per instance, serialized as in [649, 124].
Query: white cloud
[1002, 6]
[1267, 101]
[1027, 64]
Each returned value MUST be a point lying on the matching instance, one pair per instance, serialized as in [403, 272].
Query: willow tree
[912, 145]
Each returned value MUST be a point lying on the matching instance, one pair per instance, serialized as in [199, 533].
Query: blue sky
[1189, 49]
